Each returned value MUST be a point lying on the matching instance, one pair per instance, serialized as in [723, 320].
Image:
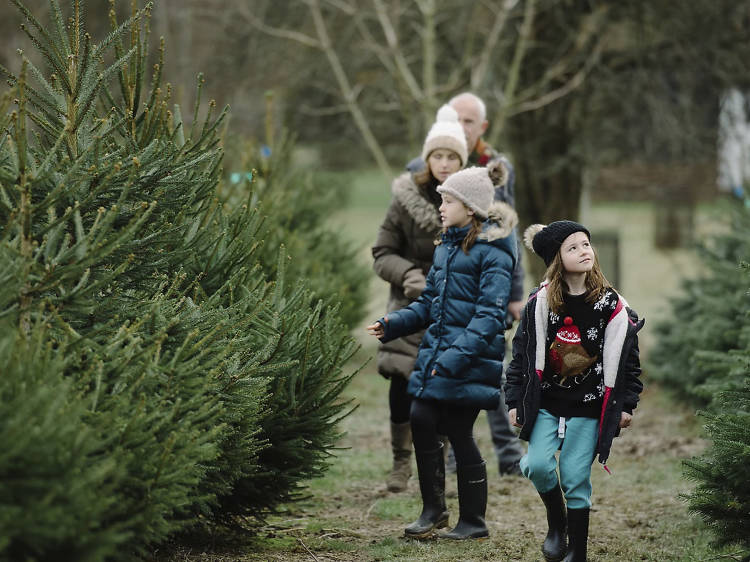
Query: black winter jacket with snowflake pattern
[622, 368]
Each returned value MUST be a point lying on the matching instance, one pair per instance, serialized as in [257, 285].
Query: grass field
[637, 513]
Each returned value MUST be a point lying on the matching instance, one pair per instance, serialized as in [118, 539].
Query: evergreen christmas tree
[704, 354]
[722, 496]
[57, 487]
[179, 386]
[297, 207]
[708, 318]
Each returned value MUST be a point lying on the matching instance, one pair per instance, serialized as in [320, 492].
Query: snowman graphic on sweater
[569, 360]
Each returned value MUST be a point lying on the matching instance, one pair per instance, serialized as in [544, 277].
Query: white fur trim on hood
[424, 213]
[498, 172]
[501, 219]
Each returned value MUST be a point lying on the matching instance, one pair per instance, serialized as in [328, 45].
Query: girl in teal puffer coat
[459, 363]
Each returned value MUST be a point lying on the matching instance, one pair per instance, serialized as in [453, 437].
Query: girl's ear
[469, 211]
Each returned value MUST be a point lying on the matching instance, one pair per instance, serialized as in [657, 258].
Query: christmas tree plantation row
[161, 374]
[703, 356]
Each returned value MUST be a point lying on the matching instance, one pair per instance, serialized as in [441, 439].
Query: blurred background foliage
[572, 87]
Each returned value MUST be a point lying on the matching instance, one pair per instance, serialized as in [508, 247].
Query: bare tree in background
[570, 85]
[409, 56]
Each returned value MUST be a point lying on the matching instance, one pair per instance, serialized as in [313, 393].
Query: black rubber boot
[578, 534]
[472, 503]
[431, 470]
[554, 547]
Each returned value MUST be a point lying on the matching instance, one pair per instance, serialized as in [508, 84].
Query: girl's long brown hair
[471, 236]
[596, 283]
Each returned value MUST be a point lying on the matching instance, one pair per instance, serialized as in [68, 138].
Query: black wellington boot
[472, 503]
[578, 534]
[431, 470]
[554, 547]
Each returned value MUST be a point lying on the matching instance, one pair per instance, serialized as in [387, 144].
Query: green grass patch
[394, 508]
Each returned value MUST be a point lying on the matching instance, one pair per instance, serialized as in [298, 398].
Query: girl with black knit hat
[573, 382]
[459, 364]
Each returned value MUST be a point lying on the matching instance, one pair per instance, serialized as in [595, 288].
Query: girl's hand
[376, 329]
[513, 416]
[515, 308]
[625, 419]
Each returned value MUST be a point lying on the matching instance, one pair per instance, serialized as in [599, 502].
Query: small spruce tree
[707, 320]
[722, 496]
[297, 206]
[58, 489]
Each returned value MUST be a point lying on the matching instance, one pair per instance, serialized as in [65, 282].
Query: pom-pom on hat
[568, 332]
[446, 132]
[473, 187]
[546, 240]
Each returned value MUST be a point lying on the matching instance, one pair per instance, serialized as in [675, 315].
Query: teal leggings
[576, 456]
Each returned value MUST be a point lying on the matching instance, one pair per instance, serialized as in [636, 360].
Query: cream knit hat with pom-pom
[446, 132]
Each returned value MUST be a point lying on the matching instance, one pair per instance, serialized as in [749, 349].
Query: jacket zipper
[431, 364]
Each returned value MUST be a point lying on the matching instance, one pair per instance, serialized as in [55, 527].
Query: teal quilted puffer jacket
[463, 308]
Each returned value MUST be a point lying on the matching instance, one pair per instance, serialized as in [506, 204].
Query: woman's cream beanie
[446, 132]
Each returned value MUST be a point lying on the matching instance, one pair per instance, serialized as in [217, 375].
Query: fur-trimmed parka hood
[424, 213]
[501, 220]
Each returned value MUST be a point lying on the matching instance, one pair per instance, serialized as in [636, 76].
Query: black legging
[430, 418]
[399, 400]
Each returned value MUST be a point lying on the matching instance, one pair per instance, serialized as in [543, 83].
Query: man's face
[468, 116]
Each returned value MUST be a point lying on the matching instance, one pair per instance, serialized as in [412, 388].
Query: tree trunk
[549, 172]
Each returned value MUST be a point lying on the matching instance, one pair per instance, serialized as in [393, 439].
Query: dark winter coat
[464, 306]
[406, 239]
[621, 368]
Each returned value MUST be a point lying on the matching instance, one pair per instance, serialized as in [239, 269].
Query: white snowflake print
[600, 389]
[592, 333]
[546, 385]
[602, 302]
[598, 368]
[553, 318]
[589, 397]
